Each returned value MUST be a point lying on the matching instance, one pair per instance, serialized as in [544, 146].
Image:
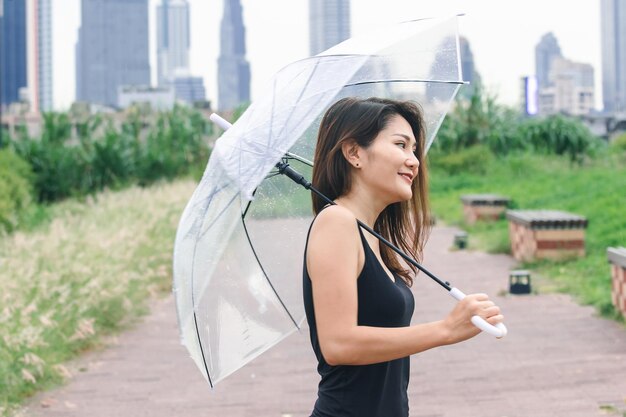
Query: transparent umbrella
[239, 244]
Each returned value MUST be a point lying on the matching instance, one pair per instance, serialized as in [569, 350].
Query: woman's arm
[334, 260]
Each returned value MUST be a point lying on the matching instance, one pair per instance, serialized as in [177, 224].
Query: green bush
[558, 135]
[146, 148]
[472, 160]
[59, 170]
[619, 143]
[112, 161]
[481, 121]
[173, 148]
[15, 189]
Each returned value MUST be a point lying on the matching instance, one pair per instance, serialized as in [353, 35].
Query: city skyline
[503, 37]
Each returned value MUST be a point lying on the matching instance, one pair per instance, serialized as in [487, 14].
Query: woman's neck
[363, 206]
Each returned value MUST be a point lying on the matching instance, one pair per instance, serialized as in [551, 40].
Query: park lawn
[595, 189]
[87, 273]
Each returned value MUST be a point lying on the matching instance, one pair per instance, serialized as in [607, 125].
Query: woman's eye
[401, 144]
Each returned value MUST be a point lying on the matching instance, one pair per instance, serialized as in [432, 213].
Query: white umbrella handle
[499, 330]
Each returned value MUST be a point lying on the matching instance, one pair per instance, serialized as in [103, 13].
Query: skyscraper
[613, 24]
[468, 68]
[112, 49]
[42, 31]
[233, 70]
[172, 39]
[13, 70]
[571, 89]
[467, 60]
[189, 89]
[546, 50]
[329, 24]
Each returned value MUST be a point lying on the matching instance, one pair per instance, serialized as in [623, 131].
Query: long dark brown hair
[406, 224]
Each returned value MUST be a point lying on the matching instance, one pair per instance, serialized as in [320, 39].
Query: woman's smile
[407, 177]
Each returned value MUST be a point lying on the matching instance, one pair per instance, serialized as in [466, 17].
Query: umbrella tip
[221, 122]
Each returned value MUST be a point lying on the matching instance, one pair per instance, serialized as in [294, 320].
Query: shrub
[171, 149]
[472, 160]
[101, 155]
[619, 143]
[558, 135]
[481, 121]
[59, 170]
[15, 189]
[112, 160]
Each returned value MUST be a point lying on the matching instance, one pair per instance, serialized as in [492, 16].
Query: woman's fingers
[459, 320]
[499, 318]
[481, 305]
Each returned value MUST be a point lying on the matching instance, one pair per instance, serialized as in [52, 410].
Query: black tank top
[377, 390]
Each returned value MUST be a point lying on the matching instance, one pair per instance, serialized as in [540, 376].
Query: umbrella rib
[243, 220]
[219, 214]
[308, 81]
[290, 155]
[416, 80]
[193, 300]
[195, 321]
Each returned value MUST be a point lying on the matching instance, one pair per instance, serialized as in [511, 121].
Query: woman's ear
[350, 150]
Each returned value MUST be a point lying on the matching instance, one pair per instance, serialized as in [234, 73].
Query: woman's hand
[458, 325]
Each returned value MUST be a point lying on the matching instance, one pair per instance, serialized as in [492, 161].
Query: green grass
[596, 189]
[86, 270]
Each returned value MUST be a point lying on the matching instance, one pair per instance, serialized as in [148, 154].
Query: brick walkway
[559, 359]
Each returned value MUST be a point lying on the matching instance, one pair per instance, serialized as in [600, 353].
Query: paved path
[559, 359]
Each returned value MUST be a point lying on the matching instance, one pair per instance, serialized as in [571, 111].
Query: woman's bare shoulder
[334, 247]
[334, 219]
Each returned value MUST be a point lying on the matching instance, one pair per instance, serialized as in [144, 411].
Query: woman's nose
[412, 161]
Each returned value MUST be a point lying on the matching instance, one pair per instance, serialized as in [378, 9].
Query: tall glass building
[545, 52]
[112, 49]
[613, 27]
[233, 70]
[172, 39]
[44, 54]
[329, 24]
[13, 50]
[189, 89]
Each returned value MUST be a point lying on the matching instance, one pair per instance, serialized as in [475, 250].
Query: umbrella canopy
[239, 244]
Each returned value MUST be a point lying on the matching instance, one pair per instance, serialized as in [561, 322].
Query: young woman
[370, 160]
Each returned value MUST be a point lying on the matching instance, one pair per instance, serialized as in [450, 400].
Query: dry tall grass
[88, 273]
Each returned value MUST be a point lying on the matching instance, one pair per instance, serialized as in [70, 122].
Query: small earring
[357, 164]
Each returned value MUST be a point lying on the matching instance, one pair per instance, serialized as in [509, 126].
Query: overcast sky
[502, 36]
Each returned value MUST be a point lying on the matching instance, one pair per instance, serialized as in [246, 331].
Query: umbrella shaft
[298, 178]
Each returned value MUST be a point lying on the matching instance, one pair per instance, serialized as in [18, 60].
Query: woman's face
[389, 164]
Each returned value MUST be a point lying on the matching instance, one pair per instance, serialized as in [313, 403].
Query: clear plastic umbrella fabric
[240, 242]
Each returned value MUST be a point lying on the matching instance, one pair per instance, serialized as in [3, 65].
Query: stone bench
[617, 258]
[546, 234]
[483, 207]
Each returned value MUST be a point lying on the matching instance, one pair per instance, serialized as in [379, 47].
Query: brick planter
[546, 234]
[483, 207]
[617, 259]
